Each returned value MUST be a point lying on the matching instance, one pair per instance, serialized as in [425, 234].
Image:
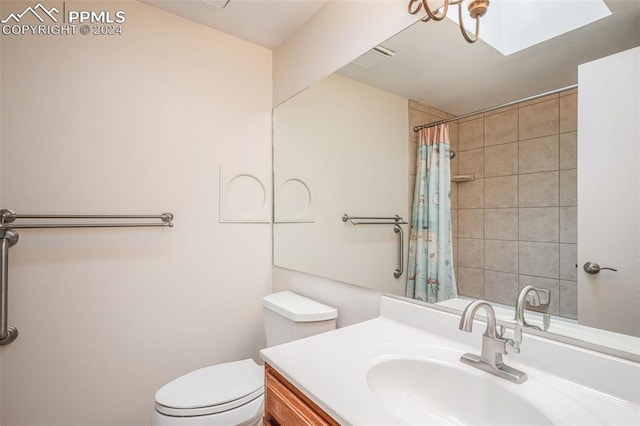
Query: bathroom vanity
[404, 368]
[287, 405]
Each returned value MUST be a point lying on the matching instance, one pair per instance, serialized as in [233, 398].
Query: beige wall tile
[501, 110]
[501, 192]
[413, 156]
[416, 118]
[501, 224]
[569, 299]
[500, 287]
[537, 120]
[501, 160]
[454, 243]
[410, 187]
[538, 190]
[568, 224]
[454, 166]
[470, 194]
[569, 187]
[454, 223]
[539, 224]
[539, 154]
[470, 282]
[471, 162]
[539, 100]
[568, 113]
[470, 134]
[568, 150]
[501, 128]
[438, 113]
[418, 106]
[470, 223]
[554, 293]
[471, 252]
[568, 261]
[454, 195]
[453, 135]
[539, 259]
[471, 118]
[501, 255]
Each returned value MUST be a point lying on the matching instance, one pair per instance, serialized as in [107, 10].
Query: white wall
[338, 33]
[138, 123]
[348, 142]
[354, 304]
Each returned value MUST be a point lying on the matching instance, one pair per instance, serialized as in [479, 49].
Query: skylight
[513, 25]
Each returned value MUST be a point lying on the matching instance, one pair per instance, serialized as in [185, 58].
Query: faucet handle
[546, 321]
[512, 346]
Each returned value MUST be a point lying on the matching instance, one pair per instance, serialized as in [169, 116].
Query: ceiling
[434, 65]
[264, 22]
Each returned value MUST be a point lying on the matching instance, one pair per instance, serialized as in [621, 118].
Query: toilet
[232, 394]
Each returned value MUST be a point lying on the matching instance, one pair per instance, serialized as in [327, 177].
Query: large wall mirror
[346, 146]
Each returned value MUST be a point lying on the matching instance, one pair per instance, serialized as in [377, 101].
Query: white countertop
[569, 384]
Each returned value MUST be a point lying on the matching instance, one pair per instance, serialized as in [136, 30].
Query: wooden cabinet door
[285, 405]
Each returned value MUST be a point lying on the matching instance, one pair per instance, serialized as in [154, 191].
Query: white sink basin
[428, 391]
[403, 368]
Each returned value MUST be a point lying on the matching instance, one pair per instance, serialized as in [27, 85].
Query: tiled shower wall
[515, 224]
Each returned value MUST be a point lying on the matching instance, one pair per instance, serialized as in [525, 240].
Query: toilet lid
[212, 389]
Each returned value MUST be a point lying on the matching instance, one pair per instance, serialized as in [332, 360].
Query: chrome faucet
[493, 344]
[532, 295]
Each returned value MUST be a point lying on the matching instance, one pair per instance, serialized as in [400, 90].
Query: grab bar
[9, 237]
[400, 269]
[396, 221]
[8, 333]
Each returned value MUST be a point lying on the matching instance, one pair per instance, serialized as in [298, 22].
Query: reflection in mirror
[346, 144]
[514, 225]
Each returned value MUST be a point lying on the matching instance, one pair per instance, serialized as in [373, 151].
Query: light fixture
[477, 8]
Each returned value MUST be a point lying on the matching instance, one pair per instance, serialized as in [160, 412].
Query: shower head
[452, 155]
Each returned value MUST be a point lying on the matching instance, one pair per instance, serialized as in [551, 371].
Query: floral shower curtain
[430, 277]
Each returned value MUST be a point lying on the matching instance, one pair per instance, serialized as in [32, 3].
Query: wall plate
[293, 200]
[244, 196]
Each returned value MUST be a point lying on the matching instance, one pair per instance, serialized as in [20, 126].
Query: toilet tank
[289, 316]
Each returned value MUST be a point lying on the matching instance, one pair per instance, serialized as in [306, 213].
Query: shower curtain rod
[493, 108]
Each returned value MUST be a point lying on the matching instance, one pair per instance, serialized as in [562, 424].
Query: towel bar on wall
[9, 237]
[396, 221]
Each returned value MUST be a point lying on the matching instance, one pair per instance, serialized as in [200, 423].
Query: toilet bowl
[232, 394]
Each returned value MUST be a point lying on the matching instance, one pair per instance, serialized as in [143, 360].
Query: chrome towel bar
[373, 220]
[7, 217]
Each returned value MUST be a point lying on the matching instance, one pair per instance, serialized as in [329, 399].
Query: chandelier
[477, 8]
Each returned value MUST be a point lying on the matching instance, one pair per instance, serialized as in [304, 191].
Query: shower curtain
[430, 276]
